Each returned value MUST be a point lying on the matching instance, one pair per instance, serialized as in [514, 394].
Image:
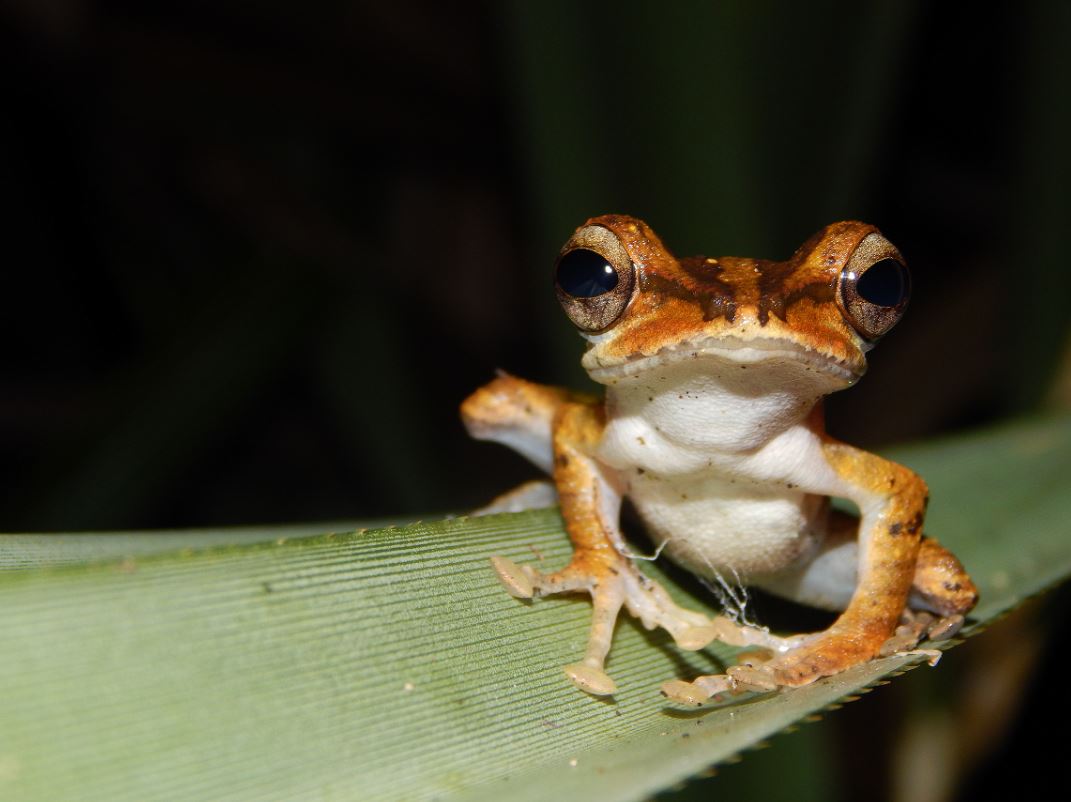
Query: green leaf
[389, 664]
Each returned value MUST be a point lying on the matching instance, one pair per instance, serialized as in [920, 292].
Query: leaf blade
[390, 664]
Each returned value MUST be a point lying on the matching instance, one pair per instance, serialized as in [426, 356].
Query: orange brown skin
[881, 594]
[941, 581]
[794, 297]
[802, 309]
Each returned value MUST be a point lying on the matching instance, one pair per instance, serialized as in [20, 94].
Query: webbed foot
[748, 675]
[613, 582]
[916, 627]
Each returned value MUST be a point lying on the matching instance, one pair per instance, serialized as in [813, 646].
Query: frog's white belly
[721, 464]
[718, 526]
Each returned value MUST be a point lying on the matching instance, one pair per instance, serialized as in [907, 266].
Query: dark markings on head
[772, 277]
[772, 296]
[821, 292]
[716, 297]
[713, 296]
[719, 296]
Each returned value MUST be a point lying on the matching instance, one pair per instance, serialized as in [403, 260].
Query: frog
[711, 423]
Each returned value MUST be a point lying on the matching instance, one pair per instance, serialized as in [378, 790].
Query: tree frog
[712, 425]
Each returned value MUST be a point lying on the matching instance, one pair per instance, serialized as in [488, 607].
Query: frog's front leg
[892, 500]
[590, 499]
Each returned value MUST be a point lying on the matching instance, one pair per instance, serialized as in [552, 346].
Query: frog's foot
[806, 658]
[814, 657]
[613, 582]
[916, 627]
[748, 675]
[823, 655]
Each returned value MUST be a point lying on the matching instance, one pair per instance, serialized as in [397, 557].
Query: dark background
[256, 253]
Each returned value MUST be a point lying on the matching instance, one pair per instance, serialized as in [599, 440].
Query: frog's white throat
[675, 414]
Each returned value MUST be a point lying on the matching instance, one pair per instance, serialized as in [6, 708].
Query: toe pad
[588, 678]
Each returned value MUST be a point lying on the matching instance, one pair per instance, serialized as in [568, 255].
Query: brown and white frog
[712, 425]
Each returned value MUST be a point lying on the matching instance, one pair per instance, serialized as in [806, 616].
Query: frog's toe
[693, 638]
[917, 626]
[926, 625]
[649, 602]
[901, 641]
[945, 628]
[516, 579]
[684, 693]
[591, 679]
[697, 692]
[752, 678]
[720, 628]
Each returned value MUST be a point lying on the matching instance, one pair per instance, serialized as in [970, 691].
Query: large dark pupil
[585, 274]
[883, 284]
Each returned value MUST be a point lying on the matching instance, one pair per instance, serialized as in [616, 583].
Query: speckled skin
[712, 426]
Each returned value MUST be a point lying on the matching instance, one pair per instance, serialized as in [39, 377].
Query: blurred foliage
[226, 223]
[256, 253]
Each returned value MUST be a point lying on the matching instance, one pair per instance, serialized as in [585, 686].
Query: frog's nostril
[585, 274]
[884, 283]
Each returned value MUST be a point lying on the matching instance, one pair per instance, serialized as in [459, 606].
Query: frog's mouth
[755, 351]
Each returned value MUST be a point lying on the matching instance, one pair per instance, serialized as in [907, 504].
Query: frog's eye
[585, 274]
[874, 287]
[593, 279]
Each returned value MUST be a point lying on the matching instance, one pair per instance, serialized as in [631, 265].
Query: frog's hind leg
[534, 495]
[828, 578]
[827, 581]
[557, 430]
[519, 414]
[941, 585]
[590, 501]
[941, 594]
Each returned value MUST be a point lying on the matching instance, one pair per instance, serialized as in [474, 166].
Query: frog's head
[639, 307]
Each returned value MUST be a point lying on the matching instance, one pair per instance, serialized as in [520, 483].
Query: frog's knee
[500, 404]
[941, 585]
[517, 413]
